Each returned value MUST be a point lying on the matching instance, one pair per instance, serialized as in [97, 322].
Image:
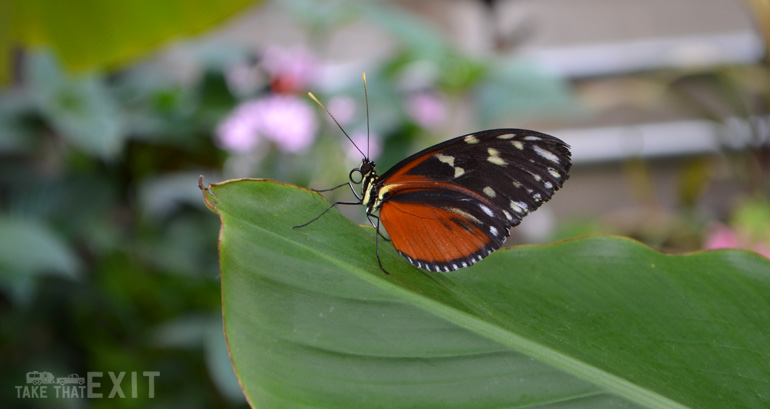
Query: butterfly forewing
[452, 204]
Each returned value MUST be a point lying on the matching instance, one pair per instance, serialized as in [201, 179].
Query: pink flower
[290, 69]
[238, 132]
[427, 109]
[286, 120]
[721, 237]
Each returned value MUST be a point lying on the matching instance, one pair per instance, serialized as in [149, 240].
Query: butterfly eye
[358, 178]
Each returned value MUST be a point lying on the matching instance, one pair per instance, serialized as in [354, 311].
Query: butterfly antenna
[335, 121]
[366, 98]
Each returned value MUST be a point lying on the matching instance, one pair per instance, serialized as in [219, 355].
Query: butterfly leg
[352, 189]
[324, 212]
[377, 246]
[330, 189]
[369, 216]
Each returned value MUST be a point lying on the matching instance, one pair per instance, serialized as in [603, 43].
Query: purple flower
[286, 120]
[427, 109]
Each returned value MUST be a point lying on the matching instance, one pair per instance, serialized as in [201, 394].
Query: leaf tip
[207, 194]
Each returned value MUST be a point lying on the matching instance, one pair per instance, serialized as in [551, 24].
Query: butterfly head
[365, 171]
[367, 167]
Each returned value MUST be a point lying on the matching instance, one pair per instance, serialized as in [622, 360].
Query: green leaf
[93, 33]
[601, 322]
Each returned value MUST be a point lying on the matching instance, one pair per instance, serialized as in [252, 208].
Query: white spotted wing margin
[454, 203]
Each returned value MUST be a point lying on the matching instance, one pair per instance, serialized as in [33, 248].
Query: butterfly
[452, 204]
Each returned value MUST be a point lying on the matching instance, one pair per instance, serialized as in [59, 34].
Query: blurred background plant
[108, 258]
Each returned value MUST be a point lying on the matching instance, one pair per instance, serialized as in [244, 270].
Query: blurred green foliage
[108, 262]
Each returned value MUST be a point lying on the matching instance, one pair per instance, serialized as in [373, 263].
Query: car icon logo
[71, 379]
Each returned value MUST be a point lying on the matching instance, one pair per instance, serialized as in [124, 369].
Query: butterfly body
[452, 204]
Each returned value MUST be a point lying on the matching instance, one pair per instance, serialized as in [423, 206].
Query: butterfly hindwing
[469, 190]
[442, 229]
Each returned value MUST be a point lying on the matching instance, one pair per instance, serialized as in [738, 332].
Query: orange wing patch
[435, 238]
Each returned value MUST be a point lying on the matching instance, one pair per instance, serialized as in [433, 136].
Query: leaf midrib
[475, 324]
